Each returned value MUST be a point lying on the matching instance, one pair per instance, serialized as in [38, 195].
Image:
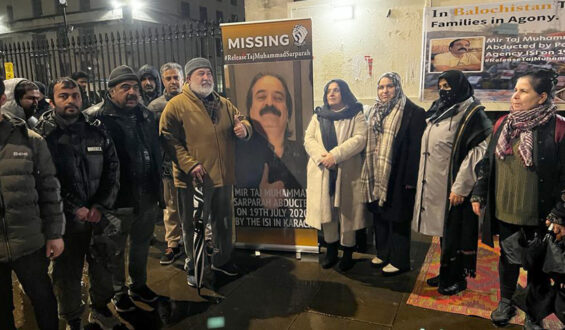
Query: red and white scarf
[520, 125]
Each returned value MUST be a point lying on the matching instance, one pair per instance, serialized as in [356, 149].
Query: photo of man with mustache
[270, 159]
[459, 57]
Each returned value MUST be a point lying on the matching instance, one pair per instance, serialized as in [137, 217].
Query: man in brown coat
[199, 129]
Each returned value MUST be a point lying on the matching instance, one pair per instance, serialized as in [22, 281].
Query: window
[203, 14]
[84, 5]
[36, 8]
[219, 16]
[10, 11]
[234, 2]
[185, 9]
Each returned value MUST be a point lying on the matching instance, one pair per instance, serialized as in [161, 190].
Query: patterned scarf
[520, 124]
[212, 105]
[384, 123]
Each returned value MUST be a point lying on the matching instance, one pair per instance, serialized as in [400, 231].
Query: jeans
[31, 271]
[67, 276]
[138, 227]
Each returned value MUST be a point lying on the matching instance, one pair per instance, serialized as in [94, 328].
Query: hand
[328, 160]
[455, 199]
[198, 173]
[558, 230]
[476, 208]
[269, 200]
[94, 215]
[238, 128]
[82, 213]
[54, 248]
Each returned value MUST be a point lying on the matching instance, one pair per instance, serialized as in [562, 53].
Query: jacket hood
[11, 107]
[148, 69]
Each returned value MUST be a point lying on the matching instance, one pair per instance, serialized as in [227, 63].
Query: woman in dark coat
[522, 183]
[390, 170]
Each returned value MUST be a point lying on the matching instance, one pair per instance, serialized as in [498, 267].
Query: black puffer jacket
[135, 134]
[87, 165]
[30, 204]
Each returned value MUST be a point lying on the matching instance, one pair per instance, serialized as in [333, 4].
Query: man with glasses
[135, 133]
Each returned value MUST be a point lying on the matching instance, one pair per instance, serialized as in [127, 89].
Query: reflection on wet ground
[277, 291]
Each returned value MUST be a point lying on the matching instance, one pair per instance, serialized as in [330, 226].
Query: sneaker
[103, 318]
[433, 281]
[503, 313]
[143, 294]
[170, 255]
[229, 269]
[74, 324]
[123, 303]
[191, 279]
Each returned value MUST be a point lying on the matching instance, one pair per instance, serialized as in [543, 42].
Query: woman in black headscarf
[334, 140]
[452, 144]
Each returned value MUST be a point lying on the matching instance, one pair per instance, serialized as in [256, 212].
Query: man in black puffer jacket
[31, 220]
[135, 134]
[88, 169]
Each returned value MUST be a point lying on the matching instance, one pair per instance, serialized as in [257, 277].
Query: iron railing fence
[97, 54]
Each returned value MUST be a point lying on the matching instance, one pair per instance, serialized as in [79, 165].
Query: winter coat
[549, 165]
[131, 143]
[352, 139]
[190, 138]
[150, 70]
[447, 164]
[87, 165]
[399, 206]
[30, 203]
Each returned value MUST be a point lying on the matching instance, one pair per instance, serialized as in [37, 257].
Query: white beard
[202, 91]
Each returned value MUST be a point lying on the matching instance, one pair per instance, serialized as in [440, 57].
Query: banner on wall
[493, 44]
[268, 73]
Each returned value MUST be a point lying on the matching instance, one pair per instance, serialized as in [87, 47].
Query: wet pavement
[278, 291]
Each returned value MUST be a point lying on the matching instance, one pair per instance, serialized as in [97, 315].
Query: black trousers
[31, 271]
[392, 241]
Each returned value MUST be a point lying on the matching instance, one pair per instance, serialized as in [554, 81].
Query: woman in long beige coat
[334, 140]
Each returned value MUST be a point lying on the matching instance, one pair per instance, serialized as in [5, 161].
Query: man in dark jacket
[150, 83]
[172, 80]
[32, 220]
[135, 133]
[88, 169]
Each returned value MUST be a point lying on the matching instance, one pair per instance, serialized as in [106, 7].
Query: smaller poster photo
[465, 54]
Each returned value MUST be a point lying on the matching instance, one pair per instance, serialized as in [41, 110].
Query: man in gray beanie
[199, 129]
[135, 133]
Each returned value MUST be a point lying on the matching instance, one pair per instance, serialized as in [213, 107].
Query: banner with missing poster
[268, 76]
[493, 43]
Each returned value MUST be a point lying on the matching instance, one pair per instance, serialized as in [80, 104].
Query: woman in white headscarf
[395, 128]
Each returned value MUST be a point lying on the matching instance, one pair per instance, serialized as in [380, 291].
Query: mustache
[463, 48]
[131, 98]
[72, 106]
[270, 109]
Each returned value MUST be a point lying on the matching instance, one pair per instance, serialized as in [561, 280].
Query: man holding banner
[199, 129]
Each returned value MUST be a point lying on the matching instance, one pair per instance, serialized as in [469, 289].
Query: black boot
[346, 262]
[330, 258]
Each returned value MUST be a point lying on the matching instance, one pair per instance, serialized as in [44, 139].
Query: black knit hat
[121, 73]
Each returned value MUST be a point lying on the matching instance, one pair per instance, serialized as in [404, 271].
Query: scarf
[326, 118]
[460, 91]
[384, 122]
[520, 125]
[212, 106]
